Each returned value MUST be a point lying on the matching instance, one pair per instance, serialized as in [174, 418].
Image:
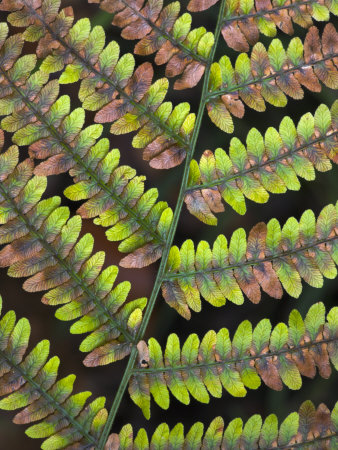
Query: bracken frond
[161, 30]
[43, 244]
[279, 356]
[109, 84]
[269, 259]
[66, 420]
[272, 75]
[309, 428]
[245, 20]
[270, 164]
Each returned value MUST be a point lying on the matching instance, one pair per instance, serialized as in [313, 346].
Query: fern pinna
[43, 49]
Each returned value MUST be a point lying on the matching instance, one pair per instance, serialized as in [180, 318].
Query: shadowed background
[105, 380]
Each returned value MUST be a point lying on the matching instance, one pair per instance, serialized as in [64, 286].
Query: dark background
[105, 380]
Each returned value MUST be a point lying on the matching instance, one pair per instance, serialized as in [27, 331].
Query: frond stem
[252, 262]
[171, 234]
[263, 164]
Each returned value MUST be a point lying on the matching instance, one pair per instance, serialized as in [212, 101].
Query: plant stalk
[171, 234]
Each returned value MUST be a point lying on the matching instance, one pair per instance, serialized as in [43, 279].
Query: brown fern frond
[161, 30]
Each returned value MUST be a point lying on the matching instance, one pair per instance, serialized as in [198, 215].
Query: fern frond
[270, 164]
[279, 356]
[244, 21]
[43, 121]
[161, 30]
[43, 244]
[111, 86]
[29, 382]
[269, 259]
[272, 75]
[308, 428]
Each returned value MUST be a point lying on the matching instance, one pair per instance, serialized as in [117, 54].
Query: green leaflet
[29, 382]
[255, 433]
[271, 258]
[204, 367]
[262, 78]
[43, 244]
[161, 30]
[270, 164]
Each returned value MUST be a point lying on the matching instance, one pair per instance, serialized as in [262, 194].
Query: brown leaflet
[323, 422]
[289, 84]
[191, 76]
[175, 298]
[200, 5]
[263, 272]
[198, 206]
[304, 362]
[165, 53]
[249, 28]
[234, 104]
[142, 257]
[307, 78]
[102, 355]
[320, 356]
[213, 199]
[55, 165]
[46, 279]
[234, 37]
[177, 64]
[169, 158]
[113, 441]
[268, 371]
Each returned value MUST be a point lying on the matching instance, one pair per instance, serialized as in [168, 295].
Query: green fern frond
[161, 30]
[29, 383]
[43, 244]
[270, 164]
[279, 356]
[309, 428]
[244, 21]
[163, 131]
[269, 259]
[271, 75]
